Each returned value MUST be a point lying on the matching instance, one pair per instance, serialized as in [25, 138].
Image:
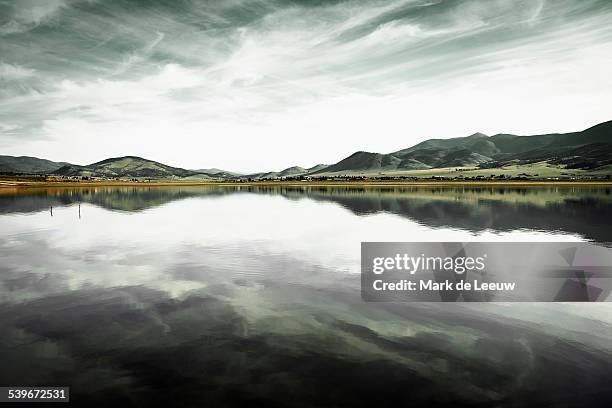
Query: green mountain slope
[446, 144]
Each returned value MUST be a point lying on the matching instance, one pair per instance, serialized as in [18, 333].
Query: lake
[250, 296]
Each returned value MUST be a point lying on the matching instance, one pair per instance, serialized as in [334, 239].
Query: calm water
[197, 296]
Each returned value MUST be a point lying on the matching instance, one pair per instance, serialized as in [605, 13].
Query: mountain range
[118, 167]
[590, 149]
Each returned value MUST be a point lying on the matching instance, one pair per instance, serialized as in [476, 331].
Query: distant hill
[317, 167]
[288, 172]
[218, 172]
[28, 165]
[127, 166]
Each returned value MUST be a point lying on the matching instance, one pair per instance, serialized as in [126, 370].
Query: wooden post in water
[51, 207]
[79, 211]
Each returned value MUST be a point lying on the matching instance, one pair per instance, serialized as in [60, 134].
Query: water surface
[249, 296]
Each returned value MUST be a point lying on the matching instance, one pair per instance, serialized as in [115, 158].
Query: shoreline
[6, 184]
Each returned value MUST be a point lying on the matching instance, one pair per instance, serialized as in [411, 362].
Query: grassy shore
[33, 182]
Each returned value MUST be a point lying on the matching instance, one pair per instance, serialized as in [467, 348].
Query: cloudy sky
[262, 85]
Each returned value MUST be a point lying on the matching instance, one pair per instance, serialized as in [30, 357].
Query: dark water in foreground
[201, 296]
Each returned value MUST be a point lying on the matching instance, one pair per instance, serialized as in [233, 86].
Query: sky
[253, 85]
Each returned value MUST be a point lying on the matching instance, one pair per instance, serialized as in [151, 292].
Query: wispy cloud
[10, 72]
[138, 57]
[25, 15]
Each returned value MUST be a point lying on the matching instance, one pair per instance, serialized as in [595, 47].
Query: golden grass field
[11, 183]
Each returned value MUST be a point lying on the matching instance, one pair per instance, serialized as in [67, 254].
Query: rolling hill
[293, 171]
[127, 166]
[218, 172]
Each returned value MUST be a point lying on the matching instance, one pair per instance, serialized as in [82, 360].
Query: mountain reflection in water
[575, 210]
